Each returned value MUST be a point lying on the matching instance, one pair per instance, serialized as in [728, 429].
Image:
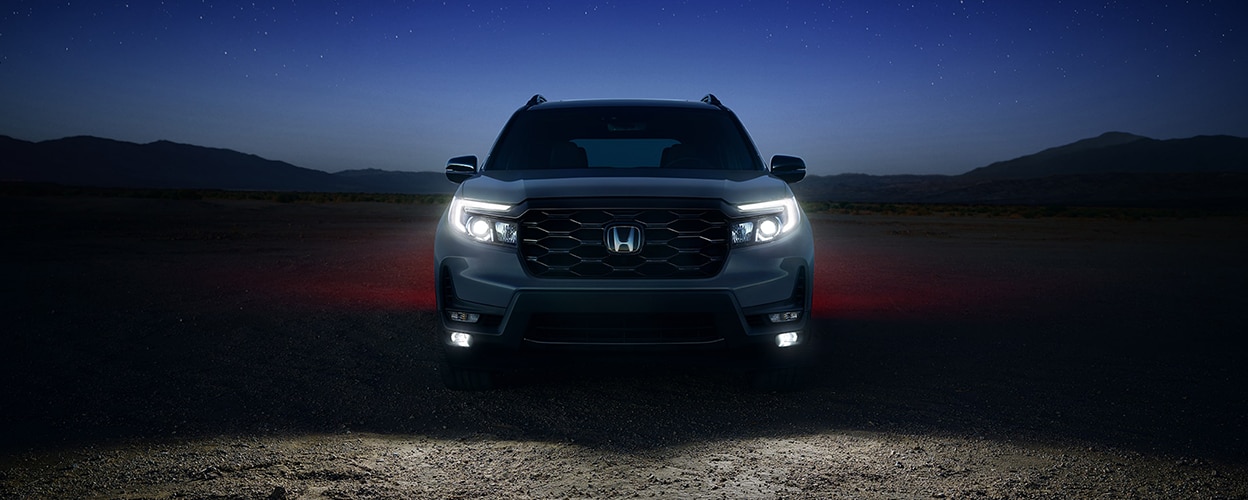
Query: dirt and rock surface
[228, 349]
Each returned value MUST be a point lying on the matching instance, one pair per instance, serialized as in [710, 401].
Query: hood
[733, 187]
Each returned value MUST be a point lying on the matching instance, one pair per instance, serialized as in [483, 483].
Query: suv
[644, 227]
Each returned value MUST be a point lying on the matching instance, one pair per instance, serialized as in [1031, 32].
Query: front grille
[571, 243]
[663, 328]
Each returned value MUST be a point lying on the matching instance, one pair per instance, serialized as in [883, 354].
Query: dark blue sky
[873, 87]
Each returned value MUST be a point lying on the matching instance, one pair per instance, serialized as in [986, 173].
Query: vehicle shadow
[92, 377]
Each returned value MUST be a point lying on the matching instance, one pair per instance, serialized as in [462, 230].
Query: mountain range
[1114, 168]
[92, 161]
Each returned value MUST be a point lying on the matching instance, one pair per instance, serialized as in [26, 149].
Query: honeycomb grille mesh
[677, 243]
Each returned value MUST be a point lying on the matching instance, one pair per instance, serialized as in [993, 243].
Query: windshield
[623, 137]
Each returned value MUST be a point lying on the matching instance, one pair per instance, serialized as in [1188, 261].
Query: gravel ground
[212, 349]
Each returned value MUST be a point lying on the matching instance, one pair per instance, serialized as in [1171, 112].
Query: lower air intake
[672, 328]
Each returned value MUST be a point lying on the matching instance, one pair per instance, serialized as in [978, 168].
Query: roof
[539, 102]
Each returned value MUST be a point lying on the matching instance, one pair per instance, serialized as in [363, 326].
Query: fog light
[786, 339]
[463, 317]
[784, 317]
[461, 339]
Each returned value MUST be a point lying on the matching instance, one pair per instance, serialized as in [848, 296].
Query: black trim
[534, 101]
[713, 101]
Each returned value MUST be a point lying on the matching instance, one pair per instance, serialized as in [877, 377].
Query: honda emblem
[624, 239]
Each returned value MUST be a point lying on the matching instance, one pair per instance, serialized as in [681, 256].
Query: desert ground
[246, 349]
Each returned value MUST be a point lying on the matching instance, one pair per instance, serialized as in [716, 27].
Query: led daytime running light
[779, 217]
[787, 208]
[484, 229]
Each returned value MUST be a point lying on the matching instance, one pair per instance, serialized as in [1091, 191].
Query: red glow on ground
[395, 271]
[905, 284]
[387, 272]
[348, 294]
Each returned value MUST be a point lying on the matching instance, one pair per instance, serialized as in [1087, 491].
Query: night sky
[872, 87]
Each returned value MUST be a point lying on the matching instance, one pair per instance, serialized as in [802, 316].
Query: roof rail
[712, 100]
[534, 101]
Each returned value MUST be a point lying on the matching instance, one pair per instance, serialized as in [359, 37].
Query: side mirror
[460, 168]
[789, 169]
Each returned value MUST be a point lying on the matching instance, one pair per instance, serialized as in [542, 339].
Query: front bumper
[728, 311]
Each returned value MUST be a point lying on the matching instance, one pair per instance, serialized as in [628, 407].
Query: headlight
[775, 219]
[479, 220]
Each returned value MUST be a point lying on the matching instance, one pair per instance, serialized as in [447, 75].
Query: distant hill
[1117, 152]
[92, 161]
[1112, 169]
[1115, 168]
